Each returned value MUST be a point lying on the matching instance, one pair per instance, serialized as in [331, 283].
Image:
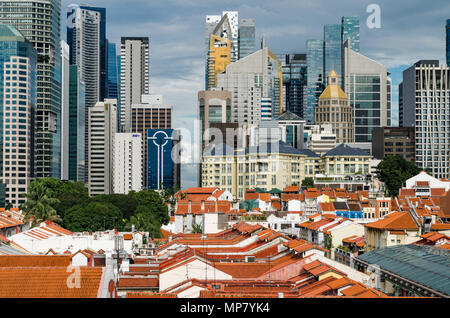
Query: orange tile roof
[440, 226]
[142, 282]
[342, 282]
[292, 189]
[327, 207]
[35, 260]
[354, 290]
[439, 192]
[149, 295]
[48, 282]
[395, 221]
[408, 192]
[200, 190]
[128, 237]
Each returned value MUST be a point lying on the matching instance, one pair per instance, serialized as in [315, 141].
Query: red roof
[395, 221]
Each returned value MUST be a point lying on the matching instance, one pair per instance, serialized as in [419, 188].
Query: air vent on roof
[249, 259]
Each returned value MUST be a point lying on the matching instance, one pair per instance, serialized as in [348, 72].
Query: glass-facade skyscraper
[350, 30]
[246, 37]
[44, 33]
[447, 34]
[315, 79]
[113, 77]
[332, 49]
[294, 83]
[18, 64]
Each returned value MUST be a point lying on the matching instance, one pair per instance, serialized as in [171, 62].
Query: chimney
[189, 206]
[216, 206]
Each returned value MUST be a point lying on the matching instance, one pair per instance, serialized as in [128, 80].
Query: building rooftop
[346, 150]
[424, 265]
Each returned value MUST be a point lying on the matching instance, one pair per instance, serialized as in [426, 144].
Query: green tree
[94, 216]
[39, 204]
[126, 203]
[394, 171]
[155, 202]
[308, 182]
[146, 219]
[197, 229]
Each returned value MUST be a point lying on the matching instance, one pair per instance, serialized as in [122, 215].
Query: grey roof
[220, 149]
[288, 116]
[341, 206]
[277, 147]
[9, 250]
[425, 265]
[346, 150]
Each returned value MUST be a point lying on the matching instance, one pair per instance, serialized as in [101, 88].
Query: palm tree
[39, 205]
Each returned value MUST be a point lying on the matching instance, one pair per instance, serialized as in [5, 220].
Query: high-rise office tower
[47, 43]
[400, 105]
[447, 30]
[134, 76]
[426, 90]
[233, 18]
[163, 161]
[294, 83]
[65, 92]
[18, 64]
[151, 113]
[333, 108]
[85, 42]
[366, 83]
[102, 122]
[246, 40]
[332, 51]
[254, 78]
[315, 80]
[77, 127]
[350, 30]
[113, 73]
[127, 163]
[218, 58]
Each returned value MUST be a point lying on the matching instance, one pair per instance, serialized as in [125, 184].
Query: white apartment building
[127, 164]
[102, 126]
[134, 78]
[321, 138]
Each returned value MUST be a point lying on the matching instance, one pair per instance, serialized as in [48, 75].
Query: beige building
[275, 165]
[102, 126]
[345, 160]
[333, 108]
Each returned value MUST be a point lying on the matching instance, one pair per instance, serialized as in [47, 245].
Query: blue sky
[410, 30]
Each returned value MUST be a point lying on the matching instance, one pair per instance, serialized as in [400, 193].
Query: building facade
[77, 129]
[333, 108]
[163, 159]
[18, 68]
[394, 141]
[252, 79]
[48, 104]
[127, 163]
[134, 76]
[246, 39]
[294, 83]
[65, 92]
[102, 122]
[218, 57]
[426, 87]
[315, 81]
[151, 113]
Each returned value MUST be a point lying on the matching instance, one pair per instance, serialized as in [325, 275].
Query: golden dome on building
[333, 89]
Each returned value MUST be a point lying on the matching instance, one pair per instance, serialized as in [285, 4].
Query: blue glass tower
[315, 79]
[294, 83]
[246, 37]
[332, 49]
[350, 31]
[160, 163]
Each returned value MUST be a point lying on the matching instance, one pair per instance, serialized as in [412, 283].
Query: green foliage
[394, 171]
[40, 204]
[69, 204]
[308, 182]
[197, 229]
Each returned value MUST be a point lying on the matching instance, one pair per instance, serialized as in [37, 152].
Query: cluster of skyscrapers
[315, 100]
[77, 110]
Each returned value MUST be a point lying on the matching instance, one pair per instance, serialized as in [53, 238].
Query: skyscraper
[447, 30]
[315, 80]
[134, 81]
[151, 113]
[246, 40]
[332, 49]
[77, 127]
[163, 163]
[350, 30]
[218, 58]
[425, 106]
[102, 122]
[47, 43]
[256, 77]
[65, 92]
[127, 163]
[113, 74]
[367, 85]
[18, 63]
[294, 83]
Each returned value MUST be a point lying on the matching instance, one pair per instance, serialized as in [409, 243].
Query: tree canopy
[394, 171]
[68, 204]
